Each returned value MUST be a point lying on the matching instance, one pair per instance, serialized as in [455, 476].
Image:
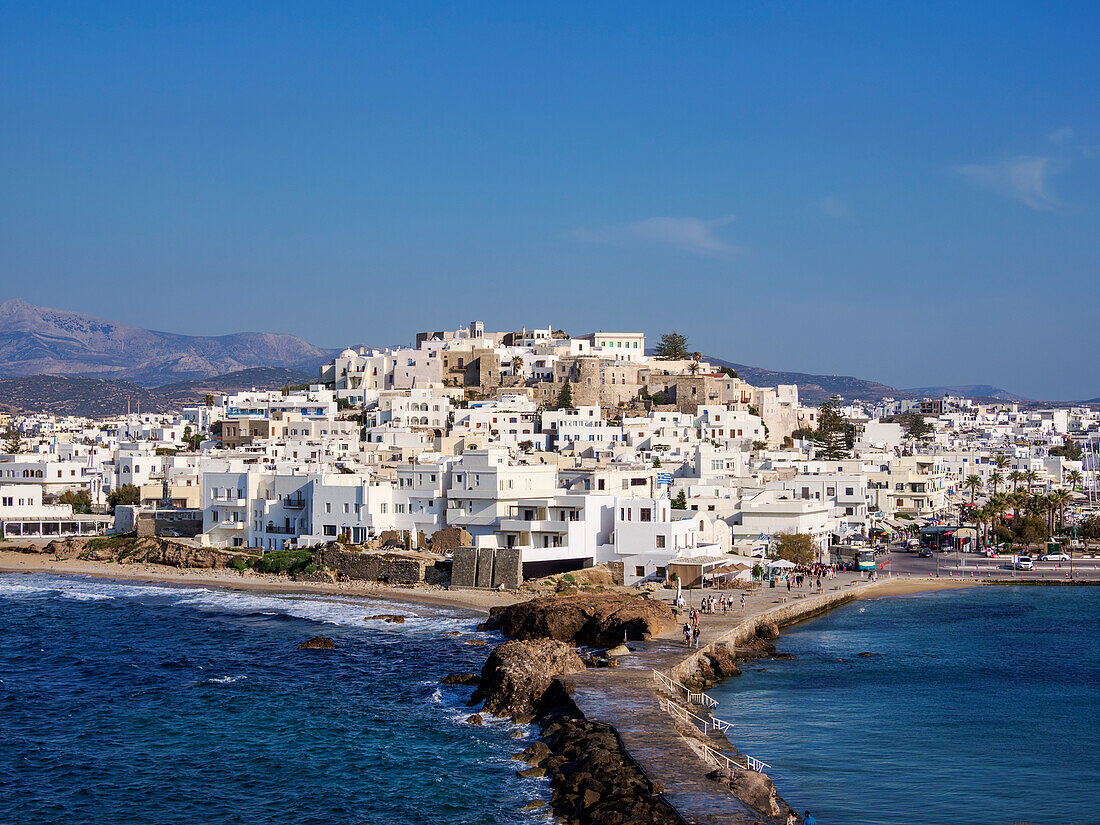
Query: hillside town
[576, 451]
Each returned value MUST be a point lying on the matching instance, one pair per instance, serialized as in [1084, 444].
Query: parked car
[1055, 557]
[924, 553]
[1025, 563]
[912, 545]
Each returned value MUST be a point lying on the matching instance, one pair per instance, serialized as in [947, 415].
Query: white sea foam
[347, 611]
[223, 680]
[84, 597]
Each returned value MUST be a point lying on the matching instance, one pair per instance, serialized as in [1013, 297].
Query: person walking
[792, 818]
[742, 602]
[687, 634]
[695, 634]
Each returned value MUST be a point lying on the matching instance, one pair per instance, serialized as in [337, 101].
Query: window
[848, 491]
[640, 572]
[660, 542]
[328, 506]
[329, 530]
[645, 514]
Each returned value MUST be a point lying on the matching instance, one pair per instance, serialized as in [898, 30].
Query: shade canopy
[783, 563]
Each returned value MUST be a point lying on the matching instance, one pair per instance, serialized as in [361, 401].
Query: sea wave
[347, 611]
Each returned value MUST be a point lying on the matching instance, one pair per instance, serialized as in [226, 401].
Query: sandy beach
[478, 601]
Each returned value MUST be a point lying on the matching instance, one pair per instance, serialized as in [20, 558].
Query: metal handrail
[724, 761]
[685, 715]
[671, 684]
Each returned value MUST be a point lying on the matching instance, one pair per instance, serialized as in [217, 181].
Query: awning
[781, 563]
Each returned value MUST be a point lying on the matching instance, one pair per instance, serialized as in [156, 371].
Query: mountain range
[49, 355]
[104, 397]
[38, 340]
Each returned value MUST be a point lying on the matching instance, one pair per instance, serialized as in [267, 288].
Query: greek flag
[664, 479]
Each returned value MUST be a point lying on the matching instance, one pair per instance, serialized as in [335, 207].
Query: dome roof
[348, 353]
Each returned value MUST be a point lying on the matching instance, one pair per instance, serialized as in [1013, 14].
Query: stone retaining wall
[783, 614]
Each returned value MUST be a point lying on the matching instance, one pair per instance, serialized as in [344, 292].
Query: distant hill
[813, 389]
[969, 391]
[101, 398]
[37, 340]
[260, 378]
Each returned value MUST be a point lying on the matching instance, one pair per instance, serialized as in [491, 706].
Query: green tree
[679, 501]
[672, 347]
[1074, 478]
[13, 441]
[656, 462]
[914, 425]
[565, 397]
[973, 484]
[1070, 450]
[81, 500]
[996, 480]
[798, 548]
[729, 372]
[527, 446]
[208, 400]
[126, 494]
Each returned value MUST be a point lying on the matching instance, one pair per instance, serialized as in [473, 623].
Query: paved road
[964, 564]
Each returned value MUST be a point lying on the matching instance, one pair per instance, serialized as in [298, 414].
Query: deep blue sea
[981, 707]
[135, 703]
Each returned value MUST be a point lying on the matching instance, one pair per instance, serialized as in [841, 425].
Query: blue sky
[896, 191]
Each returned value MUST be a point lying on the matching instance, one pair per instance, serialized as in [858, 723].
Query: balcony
[535, 526]
[294, 503]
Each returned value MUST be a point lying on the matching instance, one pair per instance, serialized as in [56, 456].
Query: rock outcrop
[318, 643]
[389, 618]
[129, 550]
[461, 679]
[754, 789]
[517, 678]
[596, 620]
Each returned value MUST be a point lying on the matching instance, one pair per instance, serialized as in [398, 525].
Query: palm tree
[1059, 499]
[1001, 461]
[996, 480]
[1030, 477]
[1074, 477]
[517, 365]
[972, 483]
[1015, 477]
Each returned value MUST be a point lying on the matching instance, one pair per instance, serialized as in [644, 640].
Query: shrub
[289, 562]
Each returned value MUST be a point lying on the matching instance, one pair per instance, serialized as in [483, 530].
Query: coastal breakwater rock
[751, 787]
[592, 779]
[602, 620]
[518, 677]
[318, 643]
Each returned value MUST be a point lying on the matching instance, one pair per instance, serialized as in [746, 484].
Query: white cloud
[834, 207]
[1025, 178]
[1061, 135]
[695, 235]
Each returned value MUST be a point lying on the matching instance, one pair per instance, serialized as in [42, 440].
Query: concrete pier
[628, 699]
